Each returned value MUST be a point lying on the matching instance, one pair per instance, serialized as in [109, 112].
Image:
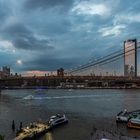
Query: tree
[1, 137]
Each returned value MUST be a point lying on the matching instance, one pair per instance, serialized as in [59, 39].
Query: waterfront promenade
[80, 82]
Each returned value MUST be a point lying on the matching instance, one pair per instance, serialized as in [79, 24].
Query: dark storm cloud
[17, 30]
[4, 12]
[61, 27]
[23, 38]
[31, 43]
[54, 25]
[43, 4]
[128, 6]
[132, 31]
[34, 27]
[6, 56]
[51, 63]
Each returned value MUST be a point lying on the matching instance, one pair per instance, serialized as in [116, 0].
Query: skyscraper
[6, 70]
[130, 57]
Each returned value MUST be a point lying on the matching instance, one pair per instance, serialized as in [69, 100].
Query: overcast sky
[49, 34]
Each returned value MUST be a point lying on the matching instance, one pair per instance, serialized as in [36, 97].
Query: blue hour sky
[43, 35]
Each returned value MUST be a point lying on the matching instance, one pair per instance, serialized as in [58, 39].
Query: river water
[85, 109]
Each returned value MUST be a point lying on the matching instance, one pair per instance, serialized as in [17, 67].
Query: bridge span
[71, 82]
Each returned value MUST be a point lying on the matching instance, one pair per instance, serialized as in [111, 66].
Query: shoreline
[85, 88]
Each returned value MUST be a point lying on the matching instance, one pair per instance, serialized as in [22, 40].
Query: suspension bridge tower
[130, 58]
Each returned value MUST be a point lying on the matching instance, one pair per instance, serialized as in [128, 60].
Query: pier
[33, 131]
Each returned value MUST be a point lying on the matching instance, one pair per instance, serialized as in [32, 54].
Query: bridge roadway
[61, 81]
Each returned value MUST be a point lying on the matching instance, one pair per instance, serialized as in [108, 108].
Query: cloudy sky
[43, 35]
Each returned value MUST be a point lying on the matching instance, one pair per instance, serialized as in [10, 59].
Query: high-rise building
[6, 70]
[130, 57]
[60, 72]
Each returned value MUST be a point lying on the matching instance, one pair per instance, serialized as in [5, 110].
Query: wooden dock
[32, 131]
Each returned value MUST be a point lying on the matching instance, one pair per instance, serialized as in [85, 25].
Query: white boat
[125, 116]
[29, 97]
[122, 116]
[70, 90]
[58, 120]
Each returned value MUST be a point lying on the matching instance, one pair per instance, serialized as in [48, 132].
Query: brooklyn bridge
[119, 69]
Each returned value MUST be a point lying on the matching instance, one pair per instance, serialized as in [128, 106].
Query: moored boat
[134, 123]
[37, 129]
[29, 97]
[58, 120]
[125, 116]
[122, 116]
[32, 131]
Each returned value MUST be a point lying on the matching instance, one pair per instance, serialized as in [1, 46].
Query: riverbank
[45, 87]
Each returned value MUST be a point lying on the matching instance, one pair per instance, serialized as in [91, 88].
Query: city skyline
[46, 35]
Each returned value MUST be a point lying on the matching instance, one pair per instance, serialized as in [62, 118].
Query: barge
[32, 131]
[37, 129]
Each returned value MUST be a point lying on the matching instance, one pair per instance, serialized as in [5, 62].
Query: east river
[85, 109]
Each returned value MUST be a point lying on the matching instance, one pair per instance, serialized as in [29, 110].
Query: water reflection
[130, 101]
[48, 136]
